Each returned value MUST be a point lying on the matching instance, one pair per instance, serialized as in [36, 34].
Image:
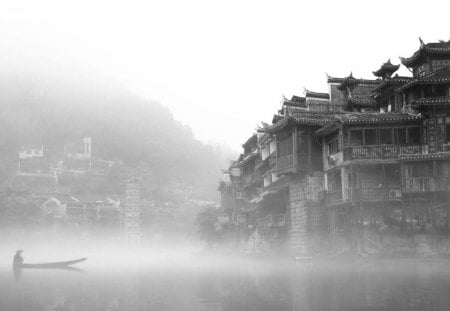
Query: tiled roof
[373, 117]
[439, 76]
[439, 155]
[429, 101]
[296, 101]
[263, 138]
[351, 82]
[317, 94]
[276, 117]
[314, 118]
[251, 141]
[436, 48]
[247, 158]
[393, 80]
[327, 119]
[386, 69]
[363, 100]
[360, 81]
[278, 125]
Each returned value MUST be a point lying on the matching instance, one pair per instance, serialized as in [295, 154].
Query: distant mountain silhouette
[51, 108]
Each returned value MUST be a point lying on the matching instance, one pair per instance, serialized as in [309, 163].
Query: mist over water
[117, 277]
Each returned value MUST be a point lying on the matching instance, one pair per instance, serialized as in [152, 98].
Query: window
[414, 135]
[334, 182]
[370, 137]
[386, 136]
[447, 130]
[333, 144]
[356, 138]
[400, 136]
[420, 170]
[285, 146]
[302, 144]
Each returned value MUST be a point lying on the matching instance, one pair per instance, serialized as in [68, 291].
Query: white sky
[221, 66]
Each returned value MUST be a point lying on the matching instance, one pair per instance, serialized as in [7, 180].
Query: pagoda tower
[131, 222]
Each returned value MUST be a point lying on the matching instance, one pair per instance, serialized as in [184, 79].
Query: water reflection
[244, 286]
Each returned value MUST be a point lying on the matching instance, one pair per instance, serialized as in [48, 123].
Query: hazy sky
[220, 66]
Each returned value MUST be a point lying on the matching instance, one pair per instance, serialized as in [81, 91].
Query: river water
[207, 283]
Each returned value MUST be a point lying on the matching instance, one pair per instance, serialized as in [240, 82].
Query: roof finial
[351, 74]
[388, 61]
[305, 90]
[421, 42]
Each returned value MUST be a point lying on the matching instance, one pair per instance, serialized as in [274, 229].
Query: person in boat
[18, 259]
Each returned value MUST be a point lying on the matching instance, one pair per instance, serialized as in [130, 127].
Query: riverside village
[363, 169]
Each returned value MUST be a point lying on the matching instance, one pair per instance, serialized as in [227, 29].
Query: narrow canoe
[50, 265]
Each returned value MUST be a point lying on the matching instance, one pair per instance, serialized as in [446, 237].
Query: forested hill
[50, 109]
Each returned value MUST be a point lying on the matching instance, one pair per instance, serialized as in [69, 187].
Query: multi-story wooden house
[369, 154]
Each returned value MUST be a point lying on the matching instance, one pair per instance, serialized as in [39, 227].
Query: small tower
[386, 70]
[131, 222]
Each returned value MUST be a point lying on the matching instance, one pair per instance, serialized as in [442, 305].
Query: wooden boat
[50, 265]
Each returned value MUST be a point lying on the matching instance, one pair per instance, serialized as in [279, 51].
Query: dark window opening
[386, 136]
[414, 135]
[447, 131]
[370, 137]
[420, 170]
[285, 146]
[332, 144]
[356, 138]
[400, 136]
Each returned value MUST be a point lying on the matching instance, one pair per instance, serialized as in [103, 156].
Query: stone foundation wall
[303, 198]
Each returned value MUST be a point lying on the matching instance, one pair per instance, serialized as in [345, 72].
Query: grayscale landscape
[224, 155]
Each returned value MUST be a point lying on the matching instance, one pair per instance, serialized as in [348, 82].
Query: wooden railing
[264, 222]
[251, 178]
[267, 221]
[272, 159]
[427, 184]
[279, 220]
[373, 193]
[334, 196]
[302, 161]
[285, 162]
[247, 179]
[279, 183]
[379, 151]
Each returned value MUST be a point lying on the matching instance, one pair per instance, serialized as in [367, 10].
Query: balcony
[391, 193]
[264, 222]
[275, 186]
[250, 179]
[426, 184]
[271, 221]
[279, 220]
[272, 159]
[285, 162]
[379, 151]
[334, 196]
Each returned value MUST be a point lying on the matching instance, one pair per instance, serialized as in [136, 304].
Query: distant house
[32, 161]
[80, 149]
[30, 151]
[54, 207]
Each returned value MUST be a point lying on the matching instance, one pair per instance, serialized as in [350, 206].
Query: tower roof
[434, 48]
[386, 70]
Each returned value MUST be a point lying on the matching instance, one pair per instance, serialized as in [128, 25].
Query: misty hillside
[51, 109]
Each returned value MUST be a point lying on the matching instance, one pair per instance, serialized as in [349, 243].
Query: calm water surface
[239, 285]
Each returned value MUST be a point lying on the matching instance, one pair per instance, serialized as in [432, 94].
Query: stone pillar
[302, 193]
[131, 223]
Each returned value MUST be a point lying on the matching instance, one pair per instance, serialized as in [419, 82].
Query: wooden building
[369, 154]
